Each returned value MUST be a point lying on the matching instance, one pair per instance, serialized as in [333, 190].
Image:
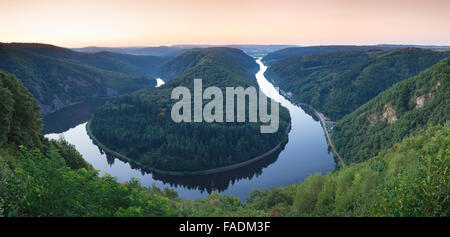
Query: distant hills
[58, 76]
[117, 62]
[259, 50]
[272, 57]
[170, 51]
[337, 83]
[176, 50]
[377, 96]
[397, 46]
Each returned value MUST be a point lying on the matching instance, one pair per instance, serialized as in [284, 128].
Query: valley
[282, 168]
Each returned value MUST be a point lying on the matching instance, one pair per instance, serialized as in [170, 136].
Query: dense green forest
[39, 177]
[337, 83]
[110, 61]
[19, 113]
[273, 57]
[277, 55]
[180, 64]
[410, 179]
[140, 127]
[193, 57]
[396, 113]
[58, 76]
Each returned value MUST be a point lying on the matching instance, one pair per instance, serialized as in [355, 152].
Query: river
[305, 153]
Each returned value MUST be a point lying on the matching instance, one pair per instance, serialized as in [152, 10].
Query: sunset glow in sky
[167, 22]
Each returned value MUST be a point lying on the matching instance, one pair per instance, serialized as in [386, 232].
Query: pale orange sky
[145, 23]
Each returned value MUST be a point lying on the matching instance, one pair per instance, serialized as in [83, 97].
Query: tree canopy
[57, 76]
[140, 127]
[396, 113]
[20, 121]
[337, 83]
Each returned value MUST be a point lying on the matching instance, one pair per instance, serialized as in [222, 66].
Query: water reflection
[110, 159]
[70, 123]
[70, 116]
[305, 153]
[218, 182]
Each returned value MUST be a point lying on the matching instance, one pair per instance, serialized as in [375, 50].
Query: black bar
[224, 226]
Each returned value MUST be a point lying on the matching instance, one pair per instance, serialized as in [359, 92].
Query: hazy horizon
[128, 23]
[220, 45]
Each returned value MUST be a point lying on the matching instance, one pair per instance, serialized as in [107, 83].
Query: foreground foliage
[411, 179]
[20, 121]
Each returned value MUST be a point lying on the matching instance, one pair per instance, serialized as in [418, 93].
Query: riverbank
[314, 113]
[188, 173]
[322, 121]
[324, 127]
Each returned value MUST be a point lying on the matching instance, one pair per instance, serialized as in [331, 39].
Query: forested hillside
[181, 64]
[39, 177]
[195, 57]
[20, 121]
[273, 57]
[337, 83]
[175, 50]
[110, 61]
[57, 76]
[140, 127]
[411, 179]
[164, 51]
[396, 113]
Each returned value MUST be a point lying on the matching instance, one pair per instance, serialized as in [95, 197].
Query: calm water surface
[305, 153]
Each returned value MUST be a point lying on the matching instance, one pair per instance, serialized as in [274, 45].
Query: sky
[116, 23]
